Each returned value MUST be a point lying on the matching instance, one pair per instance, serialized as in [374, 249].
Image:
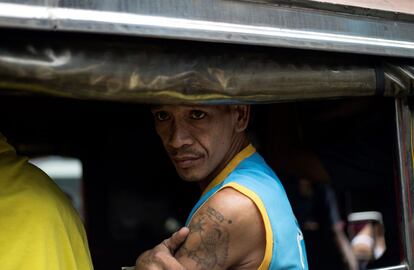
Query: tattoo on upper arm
[213, 244]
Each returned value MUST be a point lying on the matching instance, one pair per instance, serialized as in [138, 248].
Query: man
[243, 219]
[39, 229]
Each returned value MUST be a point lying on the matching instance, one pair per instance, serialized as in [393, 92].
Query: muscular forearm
[161, 257]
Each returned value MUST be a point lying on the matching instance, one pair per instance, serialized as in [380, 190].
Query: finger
[175, 241]
[168, 262]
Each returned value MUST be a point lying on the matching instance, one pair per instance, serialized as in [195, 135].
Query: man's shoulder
[236, 211]
[253, 171]
[29, 187]
[228, 208]
[231, 201]
[230, 230]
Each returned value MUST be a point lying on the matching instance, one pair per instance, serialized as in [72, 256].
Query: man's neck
[238, 145]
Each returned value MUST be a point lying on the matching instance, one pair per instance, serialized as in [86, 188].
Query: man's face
[197, 138]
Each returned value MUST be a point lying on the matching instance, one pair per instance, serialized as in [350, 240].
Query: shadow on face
[199, 138]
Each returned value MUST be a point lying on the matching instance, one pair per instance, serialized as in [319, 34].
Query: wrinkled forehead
[177, 108]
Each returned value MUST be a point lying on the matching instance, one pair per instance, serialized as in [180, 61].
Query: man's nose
[180, 135]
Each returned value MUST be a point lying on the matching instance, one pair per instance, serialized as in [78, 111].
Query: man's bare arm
[208, 243]
[161, 257]
[226, 232]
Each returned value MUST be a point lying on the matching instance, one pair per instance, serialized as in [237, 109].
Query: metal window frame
[404, 132]
[243, 22]
[398, 267]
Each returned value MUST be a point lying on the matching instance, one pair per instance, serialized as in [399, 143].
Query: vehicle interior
[326, 122]
[132, 199]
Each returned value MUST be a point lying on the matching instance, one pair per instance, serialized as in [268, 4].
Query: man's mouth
[184, 162]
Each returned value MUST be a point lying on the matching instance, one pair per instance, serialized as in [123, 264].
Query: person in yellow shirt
[39, 229]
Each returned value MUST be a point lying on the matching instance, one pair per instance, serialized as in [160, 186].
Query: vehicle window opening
[133, 197]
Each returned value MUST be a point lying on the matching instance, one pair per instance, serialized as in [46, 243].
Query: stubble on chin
[189, 178]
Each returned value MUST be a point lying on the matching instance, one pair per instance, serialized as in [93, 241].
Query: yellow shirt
[39, 229]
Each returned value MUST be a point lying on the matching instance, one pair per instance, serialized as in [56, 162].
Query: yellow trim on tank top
[243, 154]
[266, 221]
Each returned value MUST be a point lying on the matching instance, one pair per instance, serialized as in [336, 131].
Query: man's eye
[162, 116]
[196, 114]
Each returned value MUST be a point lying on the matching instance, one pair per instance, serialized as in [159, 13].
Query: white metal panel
[402, 6]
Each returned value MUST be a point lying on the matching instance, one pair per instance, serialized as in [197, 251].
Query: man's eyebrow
[155, 107]
[200, 107]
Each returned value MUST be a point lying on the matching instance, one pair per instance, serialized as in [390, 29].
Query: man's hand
[161, 257]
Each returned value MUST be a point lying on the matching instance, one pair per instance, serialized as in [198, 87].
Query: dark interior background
[131, 190]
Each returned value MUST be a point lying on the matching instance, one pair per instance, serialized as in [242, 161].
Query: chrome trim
[398, 267]
[221, 21]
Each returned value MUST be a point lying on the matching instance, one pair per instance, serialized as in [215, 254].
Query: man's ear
[242, 113]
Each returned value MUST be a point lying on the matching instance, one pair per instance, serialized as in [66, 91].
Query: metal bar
[404, 125]
[111, 68]
[219, 21]
[398, 267]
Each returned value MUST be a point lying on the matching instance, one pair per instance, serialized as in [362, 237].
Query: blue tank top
[249, 174]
